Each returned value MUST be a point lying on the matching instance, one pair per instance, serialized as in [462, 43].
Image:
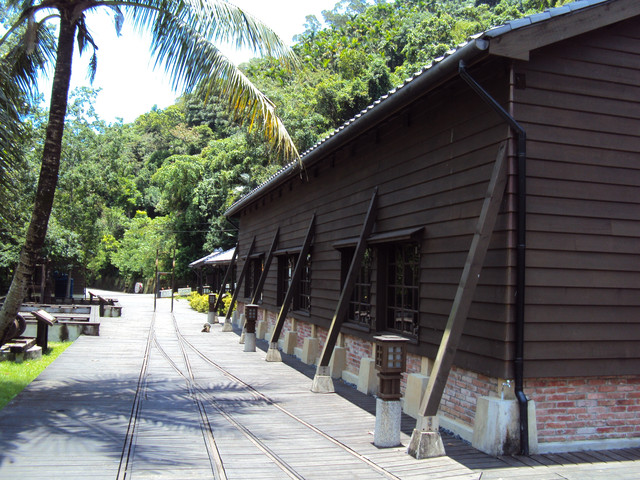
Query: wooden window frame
[286, 265]
[302, 299]
[408, 299]
[302, 291]
[363, 292]
[254, 271]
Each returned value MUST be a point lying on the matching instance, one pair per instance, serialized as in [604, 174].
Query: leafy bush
[200, 303]
[226, 301]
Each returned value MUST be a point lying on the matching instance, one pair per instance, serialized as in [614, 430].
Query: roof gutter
[521, 250]
[441, 70]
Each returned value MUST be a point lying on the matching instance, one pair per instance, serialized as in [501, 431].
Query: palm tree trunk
[48, 172]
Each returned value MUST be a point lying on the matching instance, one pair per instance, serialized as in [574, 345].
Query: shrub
[224, 306]
[200, 303]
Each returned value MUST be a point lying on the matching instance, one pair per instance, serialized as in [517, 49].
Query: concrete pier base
[338, 362]
[310, 350]
[290, 342]
[322, 382]
[227, 327]
[273, 354]
[367, 377]
[249, 342]
[412, 399]
[261, 329]
[496, 430]
[426, 441]
[388, 418]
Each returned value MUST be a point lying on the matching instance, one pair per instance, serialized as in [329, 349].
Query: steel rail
[198, 391]
[129, 446]
[270, 402]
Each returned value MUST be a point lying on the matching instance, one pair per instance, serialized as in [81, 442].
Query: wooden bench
[45, 320]
[101, 301]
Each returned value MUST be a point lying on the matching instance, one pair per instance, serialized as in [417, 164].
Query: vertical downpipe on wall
[521, 229]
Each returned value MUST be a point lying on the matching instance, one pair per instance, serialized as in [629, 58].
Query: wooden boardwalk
[153, 397]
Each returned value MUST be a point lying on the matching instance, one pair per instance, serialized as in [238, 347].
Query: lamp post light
[251, 317]
[390, 361]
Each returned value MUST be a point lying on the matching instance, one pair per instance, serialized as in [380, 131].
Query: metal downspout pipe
[520, 255]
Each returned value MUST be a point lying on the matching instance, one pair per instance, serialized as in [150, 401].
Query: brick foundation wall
[304, 331]
[272, 318]
[462, 391]
[414, 363]
[357, 349]
[577, 409]
[567, 409]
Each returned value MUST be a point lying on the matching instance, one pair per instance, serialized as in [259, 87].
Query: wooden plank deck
[146, 401]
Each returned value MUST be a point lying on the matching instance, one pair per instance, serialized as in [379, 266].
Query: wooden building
[555, 314]
[210, 271]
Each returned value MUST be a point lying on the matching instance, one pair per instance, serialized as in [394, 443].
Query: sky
[131, 87]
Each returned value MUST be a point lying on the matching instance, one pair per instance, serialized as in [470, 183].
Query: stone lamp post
[390, 361]
[251, 317]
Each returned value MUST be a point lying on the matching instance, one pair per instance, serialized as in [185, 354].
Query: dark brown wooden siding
[581, 110]
[432, 165]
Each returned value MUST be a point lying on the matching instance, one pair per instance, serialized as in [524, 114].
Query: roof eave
[442, 70]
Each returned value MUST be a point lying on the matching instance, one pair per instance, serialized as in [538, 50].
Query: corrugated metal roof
[221, 258]
[201, 261]
[435, 64]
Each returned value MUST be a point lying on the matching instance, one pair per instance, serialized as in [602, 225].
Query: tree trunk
[48, 173]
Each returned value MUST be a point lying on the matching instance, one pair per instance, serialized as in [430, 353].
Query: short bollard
[212, 317]
[390, 360]
[251, 316]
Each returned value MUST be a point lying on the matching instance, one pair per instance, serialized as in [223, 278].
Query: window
[254, 272]
[403, 289]
[302, 301]
[302, 291]
[360, 305]
[286, 265]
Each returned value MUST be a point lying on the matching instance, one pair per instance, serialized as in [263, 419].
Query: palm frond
[118, 18]
[24, 67]
[20, 65]
[85, 38]
[10, 133]
[183, 43]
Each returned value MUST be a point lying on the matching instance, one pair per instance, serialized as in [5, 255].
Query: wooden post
[43, 282]
[173, 277]
[155, 285]
[427, 423]
[227, 274]
[322, 382]
[44, 321]
[297, 273]
[240, 279]
[265, 270]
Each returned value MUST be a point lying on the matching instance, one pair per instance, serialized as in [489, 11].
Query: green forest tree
[183, 42]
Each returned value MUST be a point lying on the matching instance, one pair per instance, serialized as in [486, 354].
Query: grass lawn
[15, 376]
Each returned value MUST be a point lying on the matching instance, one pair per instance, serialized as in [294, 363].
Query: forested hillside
[164, 181]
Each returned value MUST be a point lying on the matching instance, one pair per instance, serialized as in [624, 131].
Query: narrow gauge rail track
[202, 398]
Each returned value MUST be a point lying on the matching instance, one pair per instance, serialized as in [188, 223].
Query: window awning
[403, 235]
[288, 251]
